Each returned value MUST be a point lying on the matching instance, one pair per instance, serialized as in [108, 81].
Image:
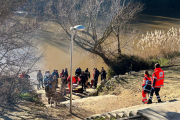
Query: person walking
[103, 74]
[146, 86]
[40, 79]
[83, 80]
[96, 75]
[49, 86]
[158, 82]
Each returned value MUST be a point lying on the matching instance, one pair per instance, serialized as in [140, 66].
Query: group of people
[152, 85]
[50, 81]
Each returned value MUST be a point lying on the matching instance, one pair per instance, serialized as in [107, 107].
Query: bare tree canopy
[18, 48]
[100, 17]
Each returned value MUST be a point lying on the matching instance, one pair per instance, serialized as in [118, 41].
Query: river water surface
[56, 45]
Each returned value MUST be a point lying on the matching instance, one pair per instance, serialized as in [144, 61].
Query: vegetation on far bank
[155, 47]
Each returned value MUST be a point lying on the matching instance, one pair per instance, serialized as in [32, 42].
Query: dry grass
[159, 43]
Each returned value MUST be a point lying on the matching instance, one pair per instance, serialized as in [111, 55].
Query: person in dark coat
[57, 76]
[78, 71]
[66, 73]
[103, 74]
[83, 80]
[87, 75]
[96, 75]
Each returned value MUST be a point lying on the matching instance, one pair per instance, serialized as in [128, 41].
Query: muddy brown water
[56, 44]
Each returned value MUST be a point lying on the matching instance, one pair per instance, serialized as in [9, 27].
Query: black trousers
[84, 85]
[156, 90]
[95, 83]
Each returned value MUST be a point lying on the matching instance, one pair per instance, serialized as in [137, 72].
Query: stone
[113, 115]
[102, 83]
[93, 93]
[119, 115]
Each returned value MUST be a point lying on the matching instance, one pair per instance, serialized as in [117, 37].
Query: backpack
[147, 87]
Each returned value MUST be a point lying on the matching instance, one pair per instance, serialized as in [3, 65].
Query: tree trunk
[119, 49]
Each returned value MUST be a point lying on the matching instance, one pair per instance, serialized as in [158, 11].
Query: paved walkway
[169, 110]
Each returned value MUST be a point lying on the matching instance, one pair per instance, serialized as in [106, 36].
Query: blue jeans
[40, 82]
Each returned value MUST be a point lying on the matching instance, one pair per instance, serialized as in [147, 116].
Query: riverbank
[129, 95]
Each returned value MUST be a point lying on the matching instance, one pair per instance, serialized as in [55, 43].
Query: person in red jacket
[146, 80]
[69, 82]
[93, 77]
[158, 82]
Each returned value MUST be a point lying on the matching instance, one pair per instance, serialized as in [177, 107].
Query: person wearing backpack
[48, 86]
[146, 86]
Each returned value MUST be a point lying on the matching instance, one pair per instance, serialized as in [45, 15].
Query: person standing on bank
[83, 80]
[158, 82]
[103, 74]
[96, 75]
[40, 78]
[78, 71]
[87, 75]
[57, 76]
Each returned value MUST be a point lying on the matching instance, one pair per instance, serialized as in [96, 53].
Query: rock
[135, 95]
[102, 83]
[93, 93]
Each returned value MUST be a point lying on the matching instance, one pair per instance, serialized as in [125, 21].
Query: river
[56, 46]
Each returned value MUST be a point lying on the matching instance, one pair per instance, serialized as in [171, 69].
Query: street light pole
[73, 29]
[72, 35]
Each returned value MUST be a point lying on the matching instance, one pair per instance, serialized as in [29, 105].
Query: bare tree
[18, 47]
[100, 17]
[121, 23]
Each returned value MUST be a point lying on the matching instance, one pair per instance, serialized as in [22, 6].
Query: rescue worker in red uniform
[158, 82]
[146, 86]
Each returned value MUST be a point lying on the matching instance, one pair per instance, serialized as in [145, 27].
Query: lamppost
[73, 29]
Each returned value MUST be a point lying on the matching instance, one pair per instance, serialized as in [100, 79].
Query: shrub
[31, 96]
[12, 87]
[126, 63]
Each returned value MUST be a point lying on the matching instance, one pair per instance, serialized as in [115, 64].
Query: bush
[12, 87]
[32, 97]
[126, 63]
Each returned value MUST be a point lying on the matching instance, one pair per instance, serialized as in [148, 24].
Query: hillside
[127, 93]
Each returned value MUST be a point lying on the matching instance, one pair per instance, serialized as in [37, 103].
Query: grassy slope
[131, 84]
